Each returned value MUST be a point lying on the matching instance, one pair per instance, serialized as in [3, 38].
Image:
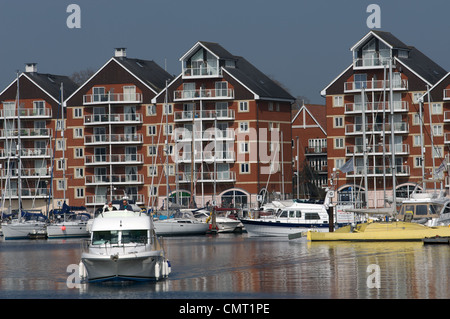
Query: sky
[303, 44]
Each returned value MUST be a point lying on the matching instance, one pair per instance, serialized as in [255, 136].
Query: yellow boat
[381, 231]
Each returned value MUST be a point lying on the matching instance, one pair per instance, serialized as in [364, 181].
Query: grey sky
[302, 44]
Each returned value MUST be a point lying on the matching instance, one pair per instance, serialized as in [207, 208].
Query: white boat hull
[261, 228]
[178, 228]
[22, 230]
[134, 266]
[228, 226]
[67, 230]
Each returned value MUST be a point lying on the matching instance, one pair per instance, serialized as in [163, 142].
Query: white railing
[209, 134]
[204, 70]
[26, 192]
[26, 133]
[375, 85]
[114, 158]
[27, 152]
[203, 94]
[380, 170]
[376, 149]
[371, 62]
[114, 138]
[112, 98]
[115, 179]
[27, 113]
[119, 118]
[401, 127]
[226, 176]
[103, 199]
[205, 115]
[399, 106]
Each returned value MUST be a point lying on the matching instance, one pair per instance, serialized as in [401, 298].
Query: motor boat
[69, 222]
[123, 246]
[299, 217]
[179, 223]
[226, 222]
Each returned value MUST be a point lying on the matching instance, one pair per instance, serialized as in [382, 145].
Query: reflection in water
[235, 266]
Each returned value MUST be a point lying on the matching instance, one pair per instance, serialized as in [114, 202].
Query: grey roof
[218, 50]
[424, 66]
[51, 83]
[391, 39]
[147, 71]
[256, 81]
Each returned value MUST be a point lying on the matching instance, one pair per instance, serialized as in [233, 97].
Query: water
[234, 266]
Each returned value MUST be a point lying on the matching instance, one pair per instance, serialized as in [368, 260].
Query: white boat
[299, 217]
[27, 226]
[69, 224]
[181, 223]
[224, 222]
[123, 246]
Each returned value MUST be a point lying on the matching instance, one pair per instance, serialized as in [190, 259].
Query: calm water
[235, 266]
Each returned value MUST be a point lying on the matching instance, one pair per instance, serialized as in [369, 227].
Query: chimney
[120, 52]
[31, 67]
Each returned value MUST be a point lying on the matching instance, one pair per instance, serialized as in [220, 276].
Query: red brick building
[373, 117]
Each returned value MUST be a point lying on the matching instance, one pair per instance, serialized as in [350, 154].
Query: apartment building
[374, 117]
[226, 132]
[30, 139]
[309, 147]
[108, 135]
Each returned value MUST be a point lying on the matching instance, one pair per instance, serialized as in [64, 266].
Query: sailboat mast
[391, 103]
[19, 150]
[64, 143]
[167, 149]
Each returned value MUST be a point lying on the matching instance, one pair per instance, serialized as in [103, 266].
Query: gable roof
[147, 72]
[386, 37]
[49, 84]
[318, 114]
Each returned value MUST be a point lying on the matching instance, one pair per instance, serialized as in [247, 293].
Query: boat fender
[63, 228]
[157, 270]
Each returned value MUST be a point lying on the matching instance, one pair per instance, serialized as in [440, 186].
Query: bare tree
[82, 76]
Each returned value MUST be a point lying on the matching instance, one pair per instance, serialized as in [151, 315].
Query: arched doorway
[235, 198]
[351, 195]
[183, 197]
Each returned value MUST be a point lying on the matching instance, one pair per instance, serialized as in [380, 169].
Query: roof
[317, 112]
[256, 81]
[147, 71]
[51, 84]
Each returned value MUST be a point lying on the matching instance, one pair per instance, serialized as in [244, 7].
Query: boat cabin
[305, 214]
[423, 210]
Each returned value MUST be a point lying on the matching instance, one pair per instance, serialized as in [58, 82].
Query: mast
[391, 102]
[19, 150]
[167, 149]
[431, 132]
[64, 143]
[363, 102]
[384, 136]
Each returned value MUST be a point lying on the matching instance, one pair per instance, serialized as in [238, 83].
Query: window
[152, 170]
[243, 126]
[270, 106]
[436, 108]
[338, 122]
[151, 109]
[417, 140]
[129, 93]
[339, 162]
[339, 142]
[151, 130]
[438, 152]
[79, 172]
[38, 108]
[77, 113]
[278, 107]
[60, 185]
[170, 169]
[167, 109]
[60, 145]
[60, 164]
[168, 128]
[79, 192]
[103, 237]
[360, 81]
[416, 96]
[416, 119]
[437, 130]
[221, 88]
[273, 126]
[418, 161]
[78, 132]
[98, 94]
[243, 106]
[243, 147]
[245, 168]
[338, 100]
[152, 150]
[79, 152]
[134, 236]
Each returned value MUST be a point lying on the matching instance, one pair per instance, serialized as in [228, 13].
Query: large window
[105, 237]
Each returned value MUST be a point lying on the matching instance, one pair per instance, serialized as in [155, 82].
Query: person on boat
[125, 205]
[110, 207]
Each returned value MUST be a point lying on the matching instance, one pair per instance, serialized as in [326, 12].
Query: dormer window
[374, 53]
[201, 63]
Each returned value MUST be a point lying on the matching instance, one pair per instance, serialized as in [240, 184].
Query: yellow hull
[383, 231]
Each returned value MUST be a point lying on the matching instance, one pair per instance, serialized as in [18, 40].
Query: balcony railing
[114, 159]
[375, 85]
[27, 113]
[226, 176]
[316, 150]
[209, 134]
[399, 106]
[114, 139]
[112, 98]
[115, 179]
[202, 71]
[399, 149]
[374, 62]
[400, 170]
[44, 172]
[356, 129]
[92, 200]
[27, 193]
[212, 94]
[27, 152]
[207, 156]
[121, 118]
[180, 116]
[27, 133]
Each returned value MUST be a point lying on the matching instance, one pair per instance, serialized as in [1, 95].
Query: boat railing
[109, 248]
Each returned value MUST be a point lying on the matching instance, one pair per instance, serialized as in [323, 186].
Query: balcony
[27, 113]
[357, 108]
[122, 179]
[27, 193]
[220, 115]
[121, 118]
[113, 139]
[371, 63]
[27, 153]
[357, 129]
[208, 157]
[358, 150]
[446, 94]
[26, 133]
[100, 200]
[224, 177]
[112, 98]
[203, 71]
[401, 170]
[44, 172]
[114, 159]
[209, 134]
[203, 94]
[318, 150]
[378, 85]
